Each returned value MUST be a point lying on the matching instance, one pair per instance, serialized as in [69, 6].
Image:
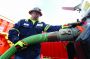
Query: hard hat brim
[35, 11]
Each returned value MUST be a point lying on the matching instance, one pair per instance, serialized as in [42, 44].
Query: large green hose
[29, 40]
[52, 36]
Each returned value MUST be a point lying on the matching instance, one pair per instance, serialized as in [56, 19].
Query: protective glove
[21, 45]
[72, 25]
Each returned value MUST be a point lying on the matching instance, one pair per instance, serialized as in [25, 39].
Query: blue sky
[51, 9]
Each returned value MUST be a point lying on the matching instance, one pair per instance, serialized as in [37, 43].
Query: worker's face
[35, 15]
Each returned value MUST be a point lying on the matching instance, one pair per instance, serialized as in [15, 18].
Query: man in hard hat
[28, 27]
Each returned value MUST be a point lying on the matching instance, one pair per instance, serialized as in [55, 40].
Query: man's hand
[21, 44]
[72, 25]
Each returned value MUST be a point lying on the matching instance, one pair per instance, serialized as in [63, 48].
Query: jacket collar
[32, 20]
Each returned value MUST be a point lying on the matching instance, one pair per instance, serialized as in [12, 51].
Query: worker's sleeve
[51, 28]
[14, 33]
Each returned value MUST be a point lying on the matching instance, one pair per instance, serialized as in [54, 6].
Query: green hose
[52, 36]
[36, 38]
[29, 40]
